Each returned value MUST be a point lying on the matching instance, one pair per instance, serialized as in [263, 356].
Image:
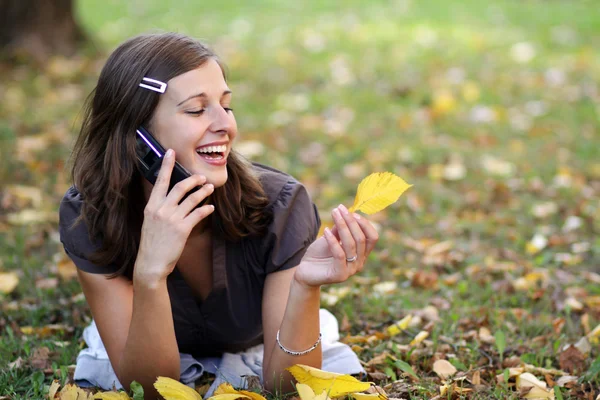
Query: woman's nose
[221, 120]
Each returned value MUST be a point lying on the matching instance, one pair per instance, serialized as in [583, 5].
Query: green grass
[334, 91]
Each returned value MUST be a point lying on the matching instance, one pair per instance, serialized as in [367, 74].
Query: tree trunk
[38, 28]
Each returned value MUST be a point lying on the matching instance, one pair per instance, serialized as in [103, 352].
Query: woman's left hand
[340, 253]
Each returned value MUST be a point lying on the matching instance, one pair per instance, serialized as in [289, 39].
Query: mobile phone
[150, 155]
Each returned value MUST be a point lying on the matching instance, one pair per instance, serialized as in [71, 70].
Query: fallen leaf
[444, 369]
[377, 191]
[226, 388]
[371, 396]
[306, 393]
[39, 358]
[73, 392]
[335, 384]
[112, 396]
[223, 396]
[8, 282]
[538, 389]
[171, 389]
[563, 380]
[399, 326]
[54, 386]
[572, 360]
[419, 338]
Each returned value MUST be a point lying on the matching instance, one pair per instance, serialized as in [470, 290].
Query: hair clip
[160, 88]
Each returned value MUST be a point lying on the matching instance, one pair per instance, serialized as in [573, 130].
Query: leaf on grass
[54, 386]
[399, 326]
[405, 367]
[306, 393]
[335, 384]
[227, 396]
[444, 369]
[73, 392]
[368, 396]
[419, 338]
[8, 282]
[111, 396]
[377, 191]
[537, 389]
[171, 389]
[226, 388]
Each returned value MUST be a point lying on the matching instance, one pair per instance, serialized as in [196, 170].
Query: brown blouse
[230, 319]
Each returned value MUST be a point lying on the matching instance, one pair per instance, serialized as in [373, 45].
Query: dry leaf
[226, 388]
[370, 396]
[8, 281]
[399, 326]
[223, 396]
[73, 392]
[53, 389]
[538, 389]
[419, 338]
[306, 393]
[377, 191]
[335, 384]
[444, 369]
[171, 389]
[112, 396]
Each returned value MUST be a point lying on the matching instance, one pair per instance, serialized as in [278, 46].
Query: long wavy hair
[105, 169]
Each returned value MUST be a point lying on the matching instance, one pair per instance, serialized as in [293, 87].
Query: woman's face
[193, 118]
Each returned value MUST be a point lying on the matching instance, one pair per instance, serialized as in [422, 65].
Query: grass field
[490, 109]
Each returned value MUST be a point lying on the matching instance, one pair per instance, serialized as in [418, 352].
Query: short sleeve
[75, 239]
[294, 227]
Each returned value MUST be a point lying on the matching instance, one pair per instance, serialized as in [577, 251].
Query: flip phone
[150, 155]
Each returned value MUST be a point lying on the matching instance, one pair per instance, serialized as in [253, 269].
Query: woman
[163, 276]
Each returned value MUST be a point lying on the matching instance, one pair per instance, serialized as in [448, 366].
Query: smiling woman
[168, 281]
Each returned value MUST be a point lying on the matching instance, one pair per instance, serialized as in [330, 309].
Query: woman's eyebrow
[202, 95]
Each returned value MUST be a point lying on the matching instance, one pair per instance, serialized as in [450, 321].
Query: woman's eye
[195, 112]
[227, 109]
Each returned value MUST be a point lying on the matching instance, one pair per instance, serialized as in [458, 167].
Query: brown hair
[105, 169]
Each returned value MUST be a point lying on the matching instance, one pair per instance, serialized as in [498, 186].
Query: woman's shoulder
[70, 206]
[275, 182]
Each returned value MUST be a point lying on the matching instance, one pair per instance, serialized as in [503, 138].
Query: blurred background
[490, 109]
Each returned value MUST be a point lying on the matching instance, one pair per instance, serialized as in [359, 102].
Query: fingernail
[336, 213]
[356, 216]
[343, 208]
[327, 231]
[210, 186]
[169, 153]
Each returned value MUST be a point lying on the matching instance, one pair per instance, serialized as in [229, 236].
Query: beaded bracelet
[298, 353]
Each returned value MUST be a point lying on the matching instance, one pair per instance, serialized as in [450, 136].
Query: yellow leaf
[306, 393]
[369, 396]
[73, 392]
[227, 396]
[419, 338]
[171, 389]
[8, 281]
[112, 396]
[377, 191]
[319, 380]
[226, 388]
[399, 326]
[53, 389]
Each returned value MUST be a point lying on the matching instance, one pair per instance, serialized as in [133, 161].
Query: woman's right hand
[167, 224]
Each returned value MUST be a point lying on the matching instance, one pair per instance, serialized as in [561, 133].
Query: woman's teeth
[213, 149]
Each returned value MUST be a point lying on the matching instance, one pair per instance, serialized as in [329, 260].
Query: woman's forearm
[151, 348]
[299, 331]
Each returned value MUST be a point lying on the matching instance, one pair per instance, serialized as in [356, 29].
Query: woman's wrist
[300, 284]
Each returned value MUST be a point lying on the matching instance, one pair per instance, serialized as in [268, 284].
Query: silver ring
[352, 259]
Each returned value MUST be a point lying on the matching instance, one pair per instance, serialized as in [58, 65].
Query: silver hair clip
[160, 88]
